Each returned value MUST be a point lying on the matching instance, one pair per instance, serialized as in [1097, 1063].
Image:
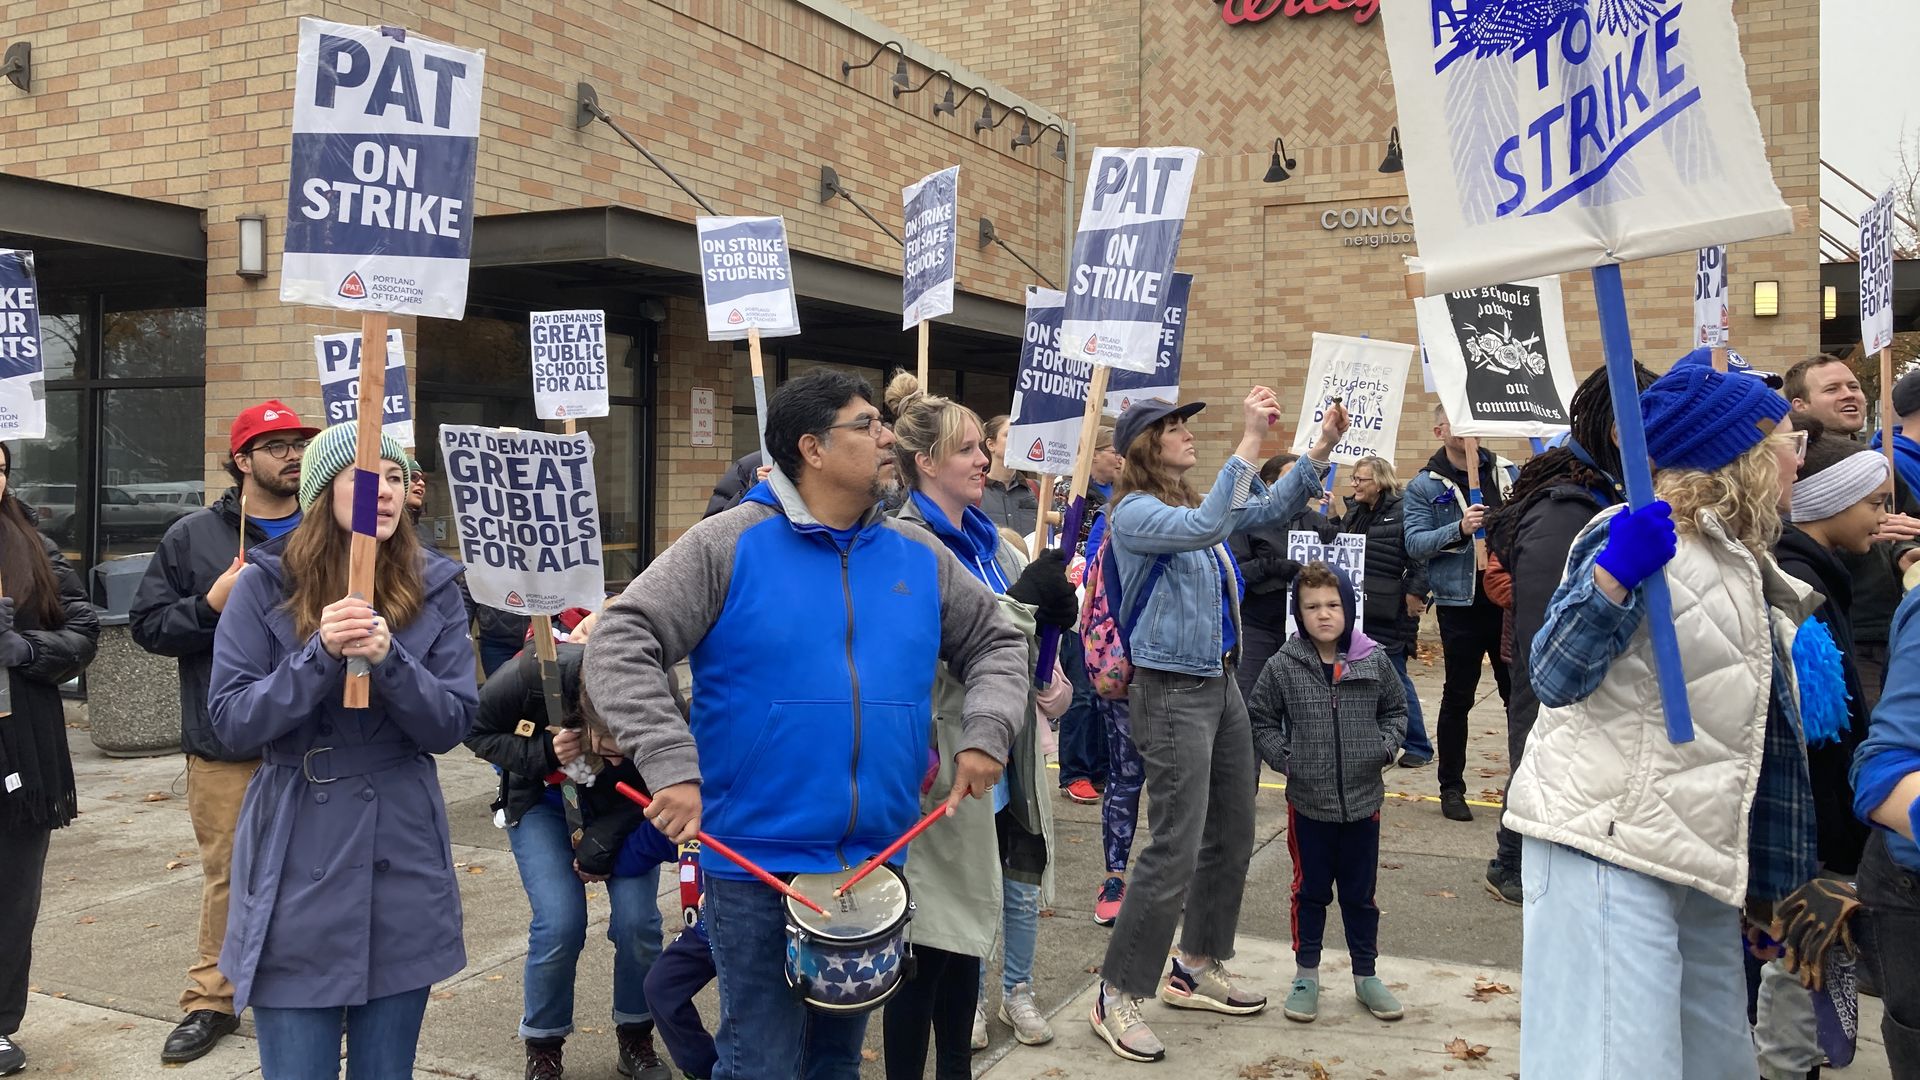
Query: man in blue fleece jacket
[1886, 794]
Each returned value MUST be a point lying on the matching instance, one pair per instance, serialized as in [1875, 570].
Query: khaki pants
[214, 791]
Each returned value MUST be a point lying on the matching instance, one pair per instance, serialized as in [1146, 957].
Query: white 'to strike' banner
[529, 517]
[1551, 135]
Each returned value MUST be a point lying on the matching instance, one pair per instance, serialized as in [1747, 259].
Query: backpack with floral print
[1109, 663]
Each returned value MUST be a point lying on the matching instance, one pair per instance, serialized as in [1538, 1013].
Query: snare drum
[855, 960]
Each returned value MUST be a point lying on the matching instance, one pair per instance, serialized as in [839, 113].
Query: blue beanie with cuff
[1699, 418]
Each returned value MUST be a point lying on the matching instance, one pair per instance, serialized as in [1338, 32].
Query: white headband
[1831, 490]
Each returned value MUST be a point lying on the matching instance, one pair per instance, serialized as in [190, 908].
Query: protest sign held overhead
[386, 132]
[528, 516]
[1049, 393]
[1348, 551]
[1710, 297]
[1123, 254]
[746, 277]
[23, 394]
[1876, 274]
[569, 363]
[931, 246]
[1370, 378]
[1499, 358]
[339, 358]
[1126, 387]
[1542, 137]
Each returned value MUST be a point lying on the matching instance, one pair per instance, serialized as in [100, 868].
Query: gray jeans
[1193, 735]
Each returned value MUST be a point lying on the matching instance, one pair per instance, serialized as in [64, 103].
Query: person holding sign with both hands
[1188, 719]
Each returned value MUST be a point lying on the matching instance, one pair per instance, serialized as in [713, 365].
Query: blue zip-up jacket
[1187, 615]
[813, 668]
[1434, 503]
[1892, 749]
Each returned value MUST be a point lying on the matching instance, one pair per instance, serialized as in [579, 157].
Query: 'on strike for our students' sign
[386, 130]
[1123, 254]
[1370, 377]
[931, 247]
[1543, 137]
[23, 395]
[339, 358]
[1876, 274]
[529, 517]
[569, 363]
[746, 277]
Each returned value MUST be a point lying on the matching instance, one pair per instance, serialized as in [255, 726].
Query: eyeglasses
[1798, 441]
[281, 448]
[869, 423]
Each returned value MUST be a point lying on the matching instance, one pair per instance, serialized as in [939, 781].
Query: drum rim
[796, 912]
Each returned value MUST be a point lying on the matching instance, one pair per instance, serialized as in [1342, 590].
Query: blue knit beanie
[332, 452]
[1699, 418]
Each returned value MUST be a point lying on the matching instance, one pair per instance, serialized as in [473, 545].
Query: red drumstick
[738, 859]
[891, 850]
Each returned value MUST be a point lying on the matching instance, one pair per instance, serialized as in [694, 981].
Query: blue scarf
[1906, 457]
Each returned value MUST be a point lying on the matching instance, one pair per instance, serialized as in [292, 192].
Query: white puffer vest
[1601, 776]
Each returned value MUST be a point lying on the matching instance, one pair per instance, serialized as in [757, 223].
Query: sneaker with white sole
[1106, 903]
[1208, 988]
[1303, 1001]
[979, 1027]
[12, 1058]
[1018, 1012]
[1122, 1028]
[1378, 999]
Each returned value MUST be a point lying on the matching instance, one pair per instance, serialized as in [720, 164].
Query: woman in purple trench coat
[344, 898]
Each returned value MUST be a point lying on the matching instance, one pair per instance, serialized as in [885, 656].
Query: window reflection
[47, 474]
[151, 467]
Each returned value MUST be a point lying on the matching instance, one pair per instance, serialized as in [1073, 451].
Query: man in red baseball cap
[174, 614]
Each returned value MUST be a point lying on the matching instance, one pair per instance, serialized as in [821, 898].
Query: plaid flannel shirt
[1583, 633]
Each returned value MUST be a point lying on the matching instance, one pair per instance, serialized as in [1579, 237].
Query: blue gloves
[1639, 543]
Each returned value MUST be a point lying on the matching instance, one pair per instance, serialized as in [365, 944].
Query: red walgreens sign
[1234, 12]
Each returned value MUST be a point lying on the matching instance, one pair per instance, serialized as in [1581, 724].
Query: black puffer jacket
[1542, 540]
[734, 483]
[1391, 575]
[39, 793]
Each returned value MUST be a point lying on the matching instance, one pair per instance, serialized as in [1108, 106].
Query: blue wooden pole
[1539, 445]
[1617, 340]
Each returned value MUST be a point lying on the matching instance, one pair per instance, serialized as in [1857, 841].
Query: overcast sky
[1869, 98]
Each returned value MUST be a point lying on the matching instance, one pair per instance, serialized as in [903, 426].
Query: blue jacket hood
[975, 541]
[1354, 644]
[780, 493]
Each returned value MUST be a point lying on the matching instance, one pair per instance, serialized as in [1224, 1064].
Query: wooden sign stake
[1041, 516]
[1076, 506]
[1474, 499]
[1886, 408]
[924, 388]
[366, 484]
[243, 518]
[759, 390]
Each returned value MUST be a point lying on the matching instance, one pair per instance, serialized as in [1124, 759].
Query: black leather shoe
[197, 1034]
[1454, 806]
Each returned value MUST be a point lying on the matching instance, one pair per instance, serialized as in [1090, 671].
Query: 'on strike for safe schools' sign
[930, 247]
[23, 397]
[386, 130]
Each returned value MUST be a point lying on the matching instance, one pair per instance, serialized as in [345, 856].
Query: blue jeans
[1020, 914]
[684, 969]
[1627, 976]
[304, 1044]
[1416, 742]
[1083, 737]
[559, 928]
[766, 1033]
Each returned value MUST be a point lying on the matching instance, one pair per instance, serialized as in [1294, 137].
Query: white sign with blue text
[930, 247]
[746, 277]
[1123, 254]
[23, 387]
[1348, 551]
[569, 363]
[1544, 136]
[1876, 274]
[1049, 393]
[1710, 297]
[528, 514]
[1369, 376]
[386, 133]
[1126, 387]
[339, 358]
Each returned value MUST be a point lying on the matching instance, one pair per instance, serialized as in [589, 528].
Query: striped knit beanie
[332, 451]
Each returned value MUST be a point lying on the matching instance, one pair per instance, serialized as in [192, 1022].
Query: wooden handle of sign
[1042, 515]
[1473, 498]
[243, 520]
[1416, 286]
[1886, 407]
[365, 549]
[1076, 492]
[1719, 354]
[759, 390]
[924, 324]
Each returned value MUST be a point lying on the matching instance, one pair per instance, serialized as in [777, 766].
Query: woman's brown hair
[315, 564]
[26, 574]
[1145, 472]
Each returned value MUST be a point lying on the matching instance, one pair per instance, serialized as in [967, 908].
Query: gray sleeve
[985, 651]
[651, 627]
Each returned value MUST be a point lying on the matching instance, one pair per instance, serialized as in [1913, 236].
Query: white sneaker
[979, 1027]
[1018, 1012]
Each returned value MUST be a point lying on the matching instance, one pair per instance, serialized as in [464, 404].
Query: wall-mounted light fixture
[1277, 168]
[1829, 302]
[1026, 136]
[1392, 163]
[986, 122]
[17, 66]
[253, 246]
[900, 77]
[948, 105]
[1766, 298]
[899, 89]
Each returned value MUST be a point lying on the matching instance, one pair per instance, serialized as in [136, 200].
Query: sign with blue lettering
[746, 277]
[1370, 377]
[339, 358]
[1499, 358]
[528, 513]
[1126, 387]
[569, 363]
[23, 393]
[1710, 297]
[1049, 393]
[1123, 254]
[386, 131]
[1551, 135]
[1876, 274]
[931, 246]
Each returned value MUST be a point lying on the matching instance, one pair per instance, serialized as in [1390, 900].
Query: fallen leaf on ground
[1046, 913]
[175, 864]
[1444, 894]
[476, 869]
[1485, 988]
[86, 920]
[868, 1053]
[495, 978]
[1393, 866]
[126, 1027]
[1095, 970]
[1317, 1071]
[155, 796]
[59, 994]
[447, 995]
[1256, 1072]
[1461, 1050]
[152, 926]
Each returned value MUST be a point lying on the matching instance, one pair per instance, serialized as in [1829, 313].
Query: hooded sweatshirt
[1330, 736]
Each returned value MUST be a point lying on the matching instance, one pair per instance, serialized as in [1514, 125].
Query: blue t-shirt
[274, 527]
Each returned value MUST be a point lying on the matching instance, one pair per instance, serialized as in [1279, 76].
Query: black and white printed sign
[1499, 358]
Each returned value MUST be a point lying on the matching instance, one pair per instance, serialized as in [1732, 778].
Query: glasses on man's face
[281, 448]
[866, 422]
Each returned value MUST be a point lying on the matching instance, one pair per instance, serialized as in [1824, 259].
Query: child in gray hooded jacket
[1329, 713]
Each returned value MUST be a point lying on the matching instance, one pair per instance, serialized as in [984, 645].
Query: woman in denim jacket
[1189, 722]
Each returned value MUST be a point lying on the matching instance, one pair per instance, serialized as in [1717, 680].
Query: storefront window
[48, 474]
[151, 472]
[154, 343]
[62, 325]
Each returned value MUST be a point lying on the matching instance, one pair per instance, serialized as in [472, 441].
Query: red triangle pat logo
[734, 318]
[352, 287]
[1037, 452]
[1093, 344]
[514, 600]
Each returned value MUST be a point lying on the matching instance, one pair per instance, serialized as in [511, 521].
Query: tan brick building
[151, 127]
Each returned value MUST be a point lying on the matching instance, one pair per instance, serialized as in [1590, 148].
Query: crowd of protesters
[1703, 909]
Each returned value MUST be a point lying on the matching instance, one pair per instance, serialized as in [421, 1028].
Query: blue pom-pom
[1818, 666]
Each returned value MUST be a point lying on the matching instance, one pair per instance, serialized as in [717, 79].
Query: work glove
[1639, 543]
[1810, 921]
[1044, 587]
